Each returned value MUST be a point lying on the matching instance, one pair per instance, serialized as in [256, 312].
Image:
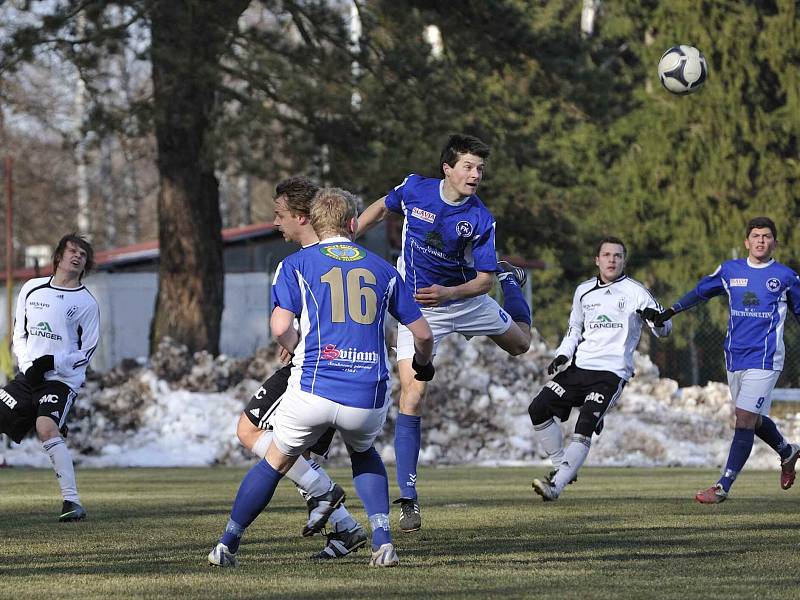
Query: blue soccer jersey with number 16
[341, 294]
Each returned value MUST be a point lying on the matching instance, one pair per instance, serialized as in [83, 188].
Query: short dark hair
[610, 239]
[762, 223]
[299, 192]
[459, 144]
[79, 241]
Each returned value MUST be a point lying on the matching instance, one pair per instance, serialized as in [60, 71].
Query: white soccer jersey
[604, 328]
[64, 322]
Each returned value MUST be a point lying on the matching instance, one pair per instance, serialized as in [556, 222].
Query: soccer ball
[682, 70]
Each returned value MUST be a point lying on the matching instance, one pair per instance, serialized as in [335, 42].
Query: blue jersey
[759, 297]
[443, 243]
[341, 294]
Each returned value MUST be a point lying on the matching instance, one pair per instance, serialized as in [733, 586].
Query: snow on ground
[181, 410]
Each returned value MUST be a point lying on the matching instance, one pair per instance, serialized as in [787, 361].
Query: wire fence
[694, 354]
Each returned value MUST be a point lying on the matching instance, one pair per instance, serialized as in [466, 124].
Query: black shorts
[20, 405]
[265, 401]
[593, 391]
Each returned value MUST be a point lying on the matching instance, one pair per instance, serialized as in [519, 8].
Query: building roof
[148, 251]
[107, 260]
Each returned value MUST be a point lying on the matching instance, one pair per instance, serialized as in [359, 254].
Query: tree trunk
[188, 38]
[81, 152]
[245, 195]
[107, 190]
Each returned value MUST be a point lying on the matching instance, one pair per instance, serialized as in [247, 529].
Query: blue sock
[372, 486]
[254, 494]
[407, 440]
[741, 446]
[769, 433]
[514, 301]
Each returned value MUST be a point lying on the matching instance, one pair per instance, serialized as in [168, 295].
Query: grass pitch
[616, 533]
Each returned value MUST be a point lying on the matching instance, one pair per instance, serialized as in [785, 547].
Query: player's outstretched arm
[793, 296]
[372, 215]
[282, 325]
[660, 319]
[435, 295]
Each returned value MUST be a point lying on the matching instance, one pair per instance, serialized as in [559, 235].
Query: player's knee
[518, 344]
[586, 424]
[246, 431]
[46, 428]
[519, 349]
[410, 404]
[539, 410]
[411, 395]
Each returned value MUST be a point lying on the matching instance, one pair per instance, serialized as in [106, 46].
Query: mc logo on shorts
[49, 399]
[595, 397]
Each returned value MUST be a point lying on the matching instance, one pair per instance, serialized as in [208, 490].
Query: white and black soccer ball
[682, 69]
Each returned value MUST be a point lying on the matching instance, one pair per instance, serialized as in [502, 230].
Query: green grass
[617, 533]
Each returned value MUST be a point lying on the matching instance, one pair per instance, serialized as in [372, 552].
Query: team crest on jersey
[750, 299]
[621, 303]
[773, 284]
[738, 281]
[423, 214]
[464, 229]
[343, 252]
[71, 312]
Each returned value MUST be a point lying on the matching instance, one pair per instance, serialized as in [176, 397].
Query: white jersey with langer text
[604, 327]
[64, 322]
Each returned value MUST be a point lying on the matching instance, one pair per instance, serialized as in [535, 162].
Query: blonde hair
[332, 210]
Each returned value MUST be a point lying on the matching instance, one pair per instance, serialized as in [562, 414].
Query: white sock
[550, 439]
[309, 477]
[61, 460]
[262, 444]
[342, 520]
[574, 457]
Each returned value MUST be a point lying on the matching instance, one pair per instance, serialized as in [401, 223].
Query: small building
[125, 283]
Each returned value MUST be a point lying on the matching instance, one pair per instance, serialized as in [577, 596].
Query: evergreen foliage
[585, 142]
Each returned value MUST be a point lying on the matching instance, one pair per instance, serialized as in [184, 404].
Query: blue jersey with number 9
[341, 294]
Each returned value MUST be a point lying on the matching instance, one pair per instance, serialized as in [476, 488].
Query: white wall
[127, 302]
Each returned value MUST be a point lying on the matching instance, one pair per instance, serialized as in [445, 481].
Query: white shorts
[469, 317]
[302, 418]
[751, 389]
